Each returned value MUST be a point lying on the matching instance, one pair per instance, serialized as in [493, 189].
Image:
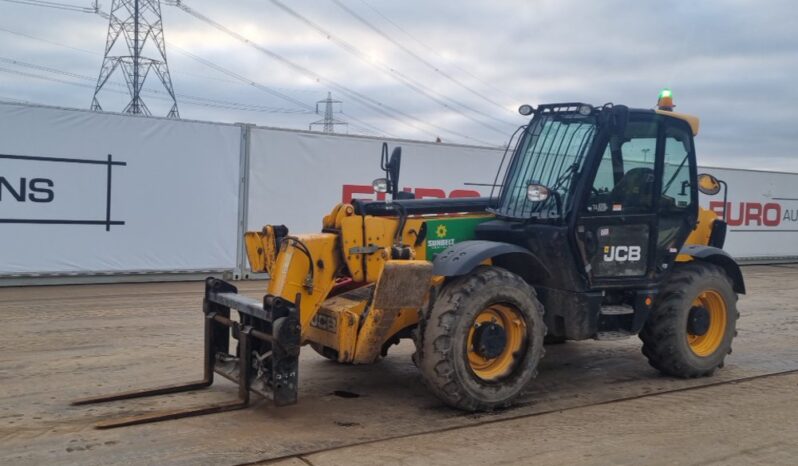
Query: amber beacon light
[665, 100]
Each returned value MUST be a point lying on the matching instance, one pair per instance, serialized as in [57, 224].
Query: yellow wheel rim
[514, 326]
[706, 344]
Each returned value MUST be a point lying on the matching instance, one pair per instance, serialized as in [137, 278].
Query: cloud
[730, 62]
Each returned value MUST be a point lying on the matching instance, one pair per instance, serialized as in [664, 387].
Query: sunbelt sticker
[444, 233]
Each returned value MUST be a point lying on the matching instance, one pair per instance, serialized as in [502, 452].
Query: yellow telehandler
[594, 231]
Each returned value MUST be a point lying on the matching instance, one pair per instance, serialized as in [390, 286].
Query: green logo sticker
[442, 233]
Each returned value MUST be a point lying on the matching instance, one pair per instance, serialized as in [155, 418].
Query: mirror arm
[725, 197]
[558, 202]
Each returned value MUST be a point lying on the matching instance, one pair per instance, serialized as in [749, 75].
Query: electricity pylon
[329, 122]
[143, 52]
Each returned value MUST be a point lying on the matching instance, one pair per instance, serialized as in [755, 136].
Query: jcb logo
[324, 321]
[621, 253]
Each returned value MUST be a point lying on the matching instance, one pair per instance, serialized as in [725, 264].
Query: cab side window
[624, 182]
[676, 192]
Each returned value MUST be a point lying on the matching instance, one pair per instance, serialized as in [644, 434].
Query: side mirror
[394, 164]
[526, 110]
[708, 184]
[389, 184]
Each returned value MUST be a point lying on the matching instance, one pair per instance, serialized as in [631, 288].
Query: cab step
[612, 335]
[617, 310]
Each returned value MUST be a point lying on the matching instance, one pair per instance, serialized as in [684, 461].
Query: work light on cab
[665, 100]
[537, 192]
[380, 185]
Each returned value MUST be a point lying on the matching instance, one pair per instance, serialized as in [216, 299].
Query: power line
[393, 72]
[362, 126]
[269, 90]
[28, 36]
[48, 78]
[195, 99]
[11, 100]
[159, 96]
[186, 98]
[56, 5]
[446, 75]
[58, 44]
[365, 100]
[241, 78]
[432, 50]
[373, 104]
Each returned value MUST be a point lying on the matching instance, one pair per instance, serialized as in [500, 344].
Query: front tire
[482, 341]
[690, 331]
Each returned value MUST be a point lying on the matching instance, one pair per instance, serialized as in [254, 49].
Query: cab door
[617, 222]
[677, 206]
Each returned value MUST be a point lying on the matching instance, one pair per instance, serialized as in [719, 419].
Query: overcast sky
[731, 62]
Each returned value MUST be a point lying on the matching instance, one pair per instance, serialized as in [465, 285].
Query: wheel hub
[489, 340]
[698, 321]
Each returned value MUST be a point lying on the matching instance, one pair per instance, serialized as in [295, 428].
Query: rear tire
[481, 342]
[668, 342]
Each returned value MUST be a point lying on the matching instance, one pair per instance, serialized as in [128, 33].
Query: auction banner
[761, 212]
[94, 193]
[87, 193]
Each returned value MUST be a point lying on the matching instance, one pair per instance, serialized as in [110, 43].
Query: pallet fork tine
[164, 390]
[206, 381]
[218, 325]
[241, 403]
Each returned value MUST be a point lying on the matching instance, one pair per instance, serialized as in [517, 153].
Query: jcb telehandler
[596, 232]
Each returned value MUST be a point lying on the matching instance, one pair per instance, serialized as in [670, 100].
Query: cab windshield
[551, 153]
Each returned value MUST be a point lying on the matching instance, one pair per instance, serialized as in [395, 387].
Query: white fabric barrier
[298, 177]
[174, 190]
[762, 212]
[166, 202]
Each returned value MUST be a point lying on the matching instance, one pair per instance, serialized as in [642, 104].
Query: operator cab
[612, 188]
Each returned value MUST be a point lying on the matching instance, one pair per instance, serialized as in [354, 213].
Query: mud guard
[720, 258]
[403, 284]
[465, 256]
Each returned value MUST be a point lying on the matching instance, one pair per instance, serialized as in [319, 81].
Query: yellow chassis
[354, 299]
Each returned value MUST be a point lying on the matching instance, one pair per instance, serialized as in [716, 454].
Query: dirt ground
[593, 403]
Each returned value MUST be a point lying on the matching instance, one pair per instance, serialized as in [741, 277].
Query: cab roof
[575, 107]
